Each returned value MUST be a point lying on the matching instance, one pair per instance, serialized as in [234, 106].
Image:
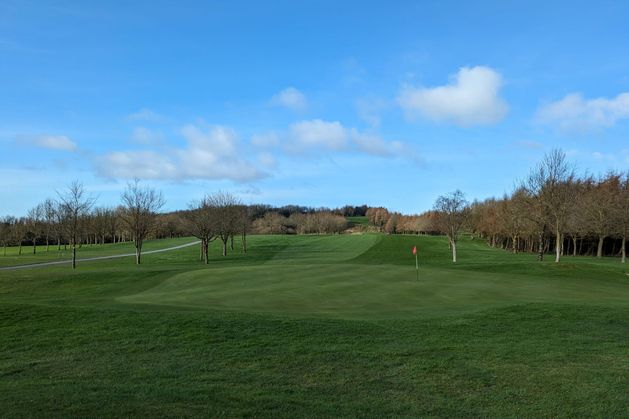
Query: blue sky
[314, 103]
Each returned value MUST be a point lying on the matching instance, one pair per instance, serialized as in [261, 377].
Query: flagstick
[417, 266]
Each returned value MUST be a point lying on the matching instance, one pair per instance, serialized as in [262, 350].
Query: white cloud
[290, 98]
[140, 164]
[219, 140]
[471, 98]
[51, 142]
[317, 134]
[210, 153]
[574, 113]
[314, 137]
[374, 144]
[146, 115]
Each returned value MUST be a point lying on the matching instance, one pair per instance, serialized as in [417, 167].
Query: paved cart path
[62, 262]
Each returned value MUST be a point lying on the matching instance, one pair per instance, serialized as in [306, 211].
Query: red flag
[414, 250]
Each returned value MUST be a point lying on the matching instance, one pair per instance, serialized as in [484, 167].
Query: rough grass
[318, 326]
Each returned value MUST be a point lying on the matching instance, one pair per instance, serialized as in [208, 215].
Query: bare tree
[6, 223]
[550, 186]
[140, 205]
[49, 209]
[34, 222]
[74, 206]
[599, 207]
[201, 223]
[227, 220]
[511, 218]
[244, 215]
[622, 214]
[453, 211]
[18, 231]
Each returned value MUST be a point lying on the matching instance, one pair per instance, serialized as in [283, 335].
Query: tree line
[553, 210]
[73, 220]
[556, 210]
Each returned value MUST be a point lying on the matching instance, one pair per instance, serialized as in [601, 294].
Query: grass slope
[318, 326]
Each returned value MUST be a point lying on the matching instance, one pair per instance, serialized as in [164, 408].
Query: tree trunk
[138, 253]
[74, 256]
[34, 246]
[224, 247]
[19, 252]
[244, 242]
[599, 249]
[204, 249]
[557, 245]
[47, 244]
[574, 245]
[5, 249]
[515, 244]
[453, 245]
[540, 247]
[623, 252]
[231, 244]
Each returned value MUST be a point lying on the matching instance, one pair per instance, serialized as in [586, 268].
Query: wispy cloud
[143, 135]
[471, 98]
[290, 98]
[317, 134]
[370, 110]
[146, 115]
[316, 137]
[210, 153]
[376, 146]
[573, 113]
[50, 142]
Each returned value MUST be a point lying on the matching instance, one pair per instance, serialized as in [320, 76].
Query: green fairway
[316, 326]
[13, 258]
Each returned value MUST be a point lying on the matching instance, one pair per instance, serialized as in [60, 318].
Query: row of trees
[555, 209]
[322, 222]
[72, 220]
[552, 209]
[217, 217]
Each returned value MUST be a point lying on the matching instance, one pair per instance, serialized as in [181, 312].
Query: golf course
[314, 325]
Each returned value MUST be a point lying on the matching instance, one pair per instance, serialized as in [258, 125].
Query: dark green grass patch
[531, 360]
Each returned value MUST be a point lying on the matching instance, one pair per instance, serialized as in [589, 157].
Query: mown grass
[55, 253]
[358, 220]
[318, 326]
